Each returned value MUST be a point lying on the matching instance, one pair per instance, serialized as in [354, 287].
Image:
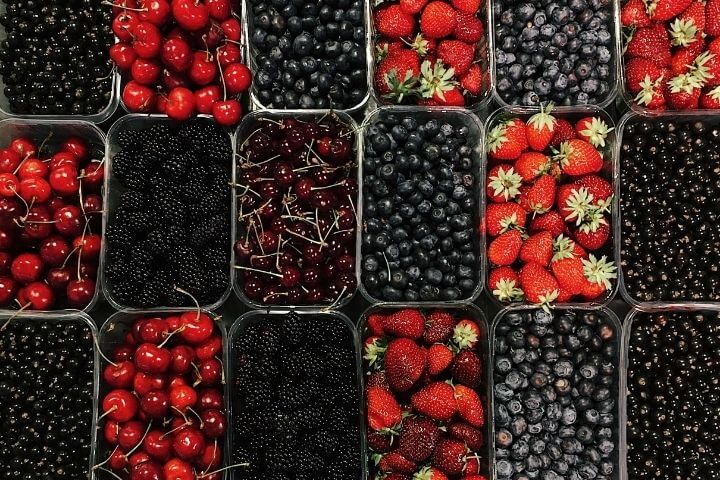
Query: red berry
[123, 55]
[144, 71]
[203, 69]
[237, 78]
[146, 40]
[180, 104]
[190, 14]
[177, 54]
[206, 97]
[120, 405]
[64, 180]
[119, 375]
[138, 98]
[227, 112]
[27, 267]
[188, 443]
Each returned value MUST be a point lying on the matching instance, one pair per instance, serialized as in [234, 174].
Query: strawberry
[634, 13]
[466, 334]
[652, 93]
[379, 442]
[564, 296]
[412, 7]
[598, 187]
[394, 22]
[563, 247]
[638, 70]
[471, 436]
[652, 43]
[540, 197]
[564, 131]
[439, 358]
[593, 130]
[438, 20]
[458, 55]
[450, 98]
[569, 205]
[688, 28]
[685, 91]
[467, 6]
[385, 48]
[430, 473]
[449, 456]
[682, 62]
[598, 272]
[383, 411]
[550, 221]
[407, 323]
[475, 476]
[436, 400]
[593, 233]
[578, 157]
[394, 462]
[418, 438]
[397, 75]
[662, 10]
[531, 165]
[469, 28]
[378, 379]
[505, 249]
[404, 364]
[508, 140]
[503, 283]
[541, 128]
[569, 274]
[374, 351]
[706, 69]
[467, 369]
[711, 99]
[501, 217]
[503, 183]
[438, 327]
[712, 18]
[538, 248]
[375, 323]
[423, 46]
[469, 406]
[473, 81]
[539, 285]
[592, 291]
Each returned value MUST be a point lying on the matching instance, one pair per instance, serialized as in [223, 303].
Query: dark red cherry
[313, 254]
[311, 277]
[303, 188]
[284, 175]
[253, 288]
[345, 263]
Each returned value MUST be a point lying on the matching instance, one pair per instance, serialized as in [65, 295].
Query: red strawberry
[503, 183]
[383, 410]
[475, 476]
[473, 81]
[539, 285]
[638, 69]
[402, 476]
[394, 22]
[467, 6]
[375, 324]
[436, 400]
[437, 20]
[418, 438]
[449, 456]
[711, 99]
[378, 379]
[412, 7]
[430, 473]
[503, 283]
[374, 351]
[469, 406]
[501, 217]
[662, 10]
[564, 131]
[541, 128]
[508, 140]
[505, 249]
[467, 369]
[458, 55]
[439, 358]
[578, 157]
[531, 165]
[407, 322]
[634, 13]
[472, 436]
[598, 187]
[394, 462]
[397, 75]
[564, 296]
[550, 221]
[384, 48]
[598, 273]
[594, 234]
[449, 98]
[712, 18]
[540, 197]
[592, 291]
[682, 62]
[404, 364]
[379, 442]
[569, 274]
[469, 28]
[688, 28]
[685, 91]
[538, 248]
[466, 334]
[652, 43]
[438, 327]
[571, 205]
[593, 130]
[563, 247]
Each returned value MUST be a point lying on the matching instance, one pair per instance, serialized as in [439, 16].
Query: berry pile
[46, 392]
[296, 211]
[431, 53]
[672, 53]
[50, 222]
[556, 391]
[669, 204]
[164, 412]
[296, 398]
[53, 57]
[425, 379]
[181, 57]
[549, 209]
[561, 51]
[170, 227]
[420, 210]
[673, 398]
[309, 55]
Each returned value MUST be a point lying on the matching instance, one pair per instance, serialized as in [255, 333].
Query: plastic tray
[615, 64]
[251, 53]
[610, 171]
[661, 304]
[113, 189]
[253, 317]
[473, 313]
[619, 426]
[112, 334]
[476, 140]
[246, 128]
[38, 129]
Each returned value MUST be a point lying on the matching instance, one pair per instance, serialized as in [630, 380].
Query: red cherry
[80, 292]
[93, 175]
[210, 372]
[206, 97]
[9, 160]
[33, 167]
[88, 270]
[227, 112]
[77, 146]
[55, 204]
[219, 9]
[210, 458]
[123, 55]
[5, 261]
[64, 180]
[173, 322]
[58, 278]
[209, 349]
[120, 405]
[238, 78]
[35, 189]
[161, 104]
[24, 147]
[182, 357]
[198, 327]
[146, 471]
[138, 98]
[119, 375]
[145, 72]
[203, 69]
[111, 431]
[89, 245]
[153, 330]
[176, 381]
[27, 267]
[68, 221]
[130, 434]
[190, 14]
[214, 423]
[118, 460]
[150, 358]
[147, 40]
[61, 159]
[155, 404]
[144, 383]
[182, 397]
[8, 287]
[188, 443]
[176, 469]
[92, 203]
[122, 353]
[210, 398]
[9, 185]
[158, 445]
[209, 37]
[228, 54]
[177, 32]
[177, 54]
[137, 458]
[156, 12]
[124, 24]
[172, 80]
[232, 29]
[181, 104]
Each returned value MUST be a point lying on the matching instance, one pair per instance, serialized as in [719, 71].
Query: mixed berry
[421, 209]
[431, 52]
[50, 221]
[669, 203]
[168, 231]
[296, 221]
[54, 57]
[672, 53]
[673, 397]
[556, 395]
[296, 398]
[181, 57]
[549, 211]
[163, 409]
[46, 393]
[308, 55]
[425, 389]
[561, 51]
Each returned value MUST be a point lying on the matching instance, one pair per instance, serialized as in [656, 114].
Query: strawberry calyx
[562, 248]
[546, 300]
[580, 204]
[420, 45]
[649, 89]
[509, 223]
[506, 183]
[714, 93]
[597, 132]
[507, 291]
[543, 120]
[436, 80]
[374, 352]
[599, 271]
[592, 221]
[685, 83]
[426, 473]
[683, 32]
[398, 88]
[464, 336]
[496, 136]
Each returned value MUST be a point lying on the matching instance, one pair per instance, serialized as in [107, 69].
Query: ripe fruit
[436, 401]
[404, 364]
[437, 20]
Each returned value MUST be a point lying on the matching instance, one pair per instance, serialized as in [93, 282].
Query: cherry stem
[42, 145]
[277, 253]
[258, 271]
[213, 456]
[202, 424]
[175, 429]
[106, 460]
[303, 237]
[182, 414]
[100, 352]
[68, 256]
[197, 304]
[112, 409]
[337, 300]
[276, 294]
[13, 316]
[222, 74]
[147, 430]
[237, 465]
[247, 189]
[339, 184]
[177, 330]
[257, 236]
[110, 472]
[302, 169]
[124, 7]
[317, 227]
[307, 154]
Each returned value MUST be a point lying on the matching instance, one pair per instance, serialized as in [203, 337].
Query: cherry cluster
[50, 223]
[164, 411]
[181, 57]
[296, 213]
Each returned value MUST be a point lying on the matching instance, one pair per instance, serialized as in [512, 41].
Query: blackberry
[176, 165]
[159, 242]
[132, 200]
[125, 289]
[118, 270]
[118, 235]
[132, 140]
[171, 210]
[208, 139]
[138, 223]
[157, 150]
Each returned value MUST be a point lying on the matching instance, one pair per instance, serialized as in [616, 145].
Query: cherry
[227, 112]
[198, 327]
[206, 97]
[214, 423]
[24, 147]
[203, 69]
[130, 434]
[137, 458]
[5, 262]
[88, 270]
[210, 36]
[161, 104]
[190, 14]
[238, 78]
[122, 353]
[37, 223]
[80, 292]
[144, 71]
[146, 40]
[228, 54]
[68, 221]
[153, 330]
[120, 405]
[173, 322]
[123, 55]
[35, 189]
[210, 398]
[311, 277]
[210, 457]
[177, 54]
[120, 375]
[188, 443]
[313, 255]
[172, 80]
[296, 296]
[93, 175]
[8, 287]
[61, 159]
[138, 98]
[144, 383]
[150, 358]
[176, 469]
[176, 381]
[156, 404]
[154, 11]
[180, 104]
[182, 357]
[111, 431]
[209, 349]
[219, 9]
[118, 460]
[27, 267]
[56, 203]
[124, 24]
[158, 445]
[253, 288]
[346, 263]
[89, 245]
[182, 397]
[315, 295]
[146, 471]
[210, 372]
[64, 180]
[9, 160]
[232, 29]
[10, 210]
[323, 200]
[9, 184]
[92, 203]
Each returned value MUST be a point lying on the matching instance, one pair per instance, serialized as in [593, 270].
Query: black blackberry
[157, 150]
[132, 140]
[171, 209]
[118, 236]
[158, 241]
[117, 270]
[124, 290]
[175, 166]
[209, 140]
[132, 200]
[208, 230]
[138, 222]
